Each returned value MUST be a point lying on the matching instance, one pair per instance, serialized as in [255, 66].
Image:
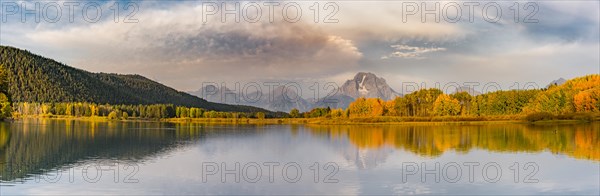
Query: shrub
[539, 116]
[583, 117]
[5, 110]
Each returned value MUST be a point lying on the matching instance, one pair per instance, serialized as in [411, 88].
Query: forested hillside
[33, 78]
[580, 94]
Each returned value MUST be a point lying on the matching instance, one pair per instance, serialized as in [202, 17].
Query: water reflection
[580, 141]
[374, 153]
[33, 146]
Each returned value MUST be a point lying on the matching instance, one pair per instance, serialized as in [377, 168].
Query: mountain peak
[363, 84]
[364, 73]
[558, 81]
[367, 84]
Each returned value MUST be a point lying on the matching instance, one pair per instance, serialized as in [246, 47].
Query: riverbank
[385, 120]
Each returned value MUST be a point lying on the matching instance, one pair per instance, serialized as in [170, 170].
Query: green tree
[113, 115]
[3, 80]
[5, 103]
[294, 113]
[6, 111]
[260, 115]
[5, 107]
[464, 99]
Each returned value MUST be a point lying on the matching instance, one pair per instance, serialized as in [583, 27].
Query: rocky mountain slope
[282, 99]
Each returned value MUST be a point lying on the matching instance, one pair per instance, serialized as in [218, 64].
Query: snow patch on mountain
[361, 88]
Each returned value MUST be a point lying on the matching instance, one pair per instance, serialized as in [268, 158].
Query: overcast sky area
[182, 44]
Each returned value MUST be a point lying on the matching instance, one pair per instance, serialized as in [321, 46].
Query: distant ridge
[362, 85]
[33, 78]
[279, 99]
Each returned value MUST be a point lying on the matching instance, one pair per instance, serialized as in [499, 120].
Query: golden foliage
[587, 101]
[575, 95]
[576, 141]
[363, 107]
[445, 105]
[389, 108]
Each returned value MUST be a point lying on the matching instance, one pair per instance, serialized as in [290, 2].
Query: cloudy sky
[185, 43]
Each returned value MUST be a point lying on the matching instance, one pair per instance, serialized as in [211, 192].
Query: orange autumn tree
[389, 108]
[364, 107]
[376, 105]
[588, 100]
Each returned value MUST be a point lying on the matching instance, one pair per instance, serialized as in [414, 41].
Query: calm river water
[64, 157]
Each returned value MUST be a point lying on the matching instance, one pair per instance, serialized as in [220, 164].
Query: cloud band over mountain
[171, 44]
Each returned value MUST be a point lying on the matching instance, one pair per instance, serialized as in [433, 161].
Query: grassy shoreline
[383, 120]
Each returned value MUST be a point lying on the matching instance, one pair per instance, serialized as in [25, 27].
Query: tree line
[578, 95]
[154, 111]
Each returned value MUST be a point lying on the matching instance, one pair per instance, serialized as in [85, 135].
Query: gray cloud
[565, 21]
[176, 49]
[173, 46]
[294, 45]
